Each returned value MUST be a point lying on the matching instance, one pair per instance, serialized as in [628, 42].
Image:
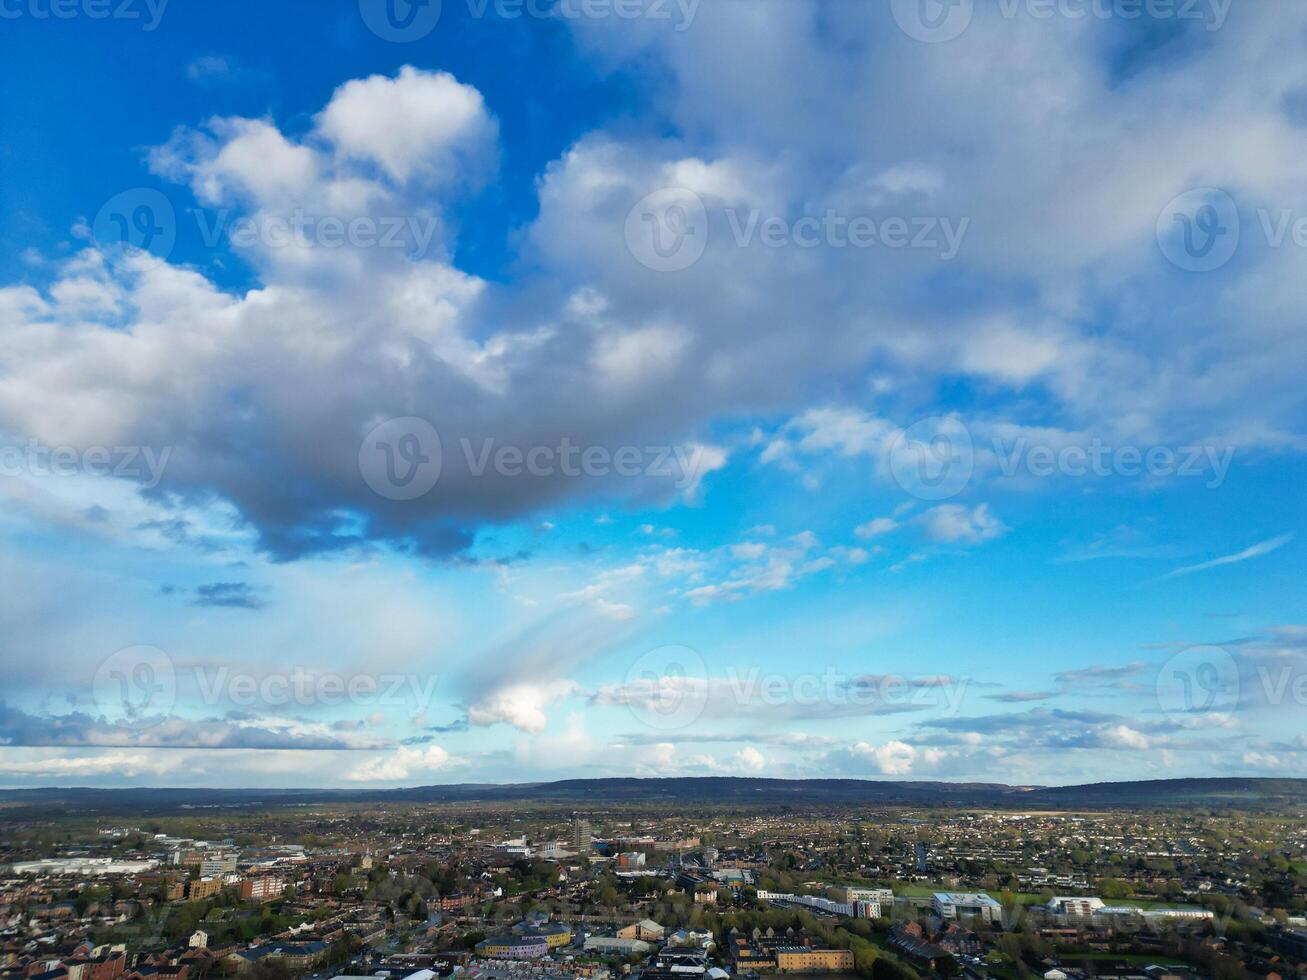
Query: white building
[1177, 914]
[217, 864]
[612, 946]
[811, 901]
[951, 905]
[1132, 911]
[856, 893]
[419, 975]
[690, 938]
[1074, 905]
[81, 866]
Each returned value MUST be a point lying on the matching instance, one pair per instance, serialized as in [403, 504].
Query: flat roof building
[1073, 905]
[525, 947]
[614, 946]
[951, 905]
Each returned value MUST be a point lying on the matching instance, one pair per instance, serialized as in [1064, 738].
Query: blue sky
[654, 388]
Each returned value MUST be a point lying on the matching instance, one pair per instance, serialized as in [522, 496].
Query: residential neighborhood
[496, 892]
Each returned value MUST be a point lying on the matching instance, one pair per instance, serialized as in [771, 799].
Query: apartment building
[1074, 905]
[512, 947]
[203, 888]
[857, 893]
[217, 865]
[802, 959]
[952, 905]
[263, 888]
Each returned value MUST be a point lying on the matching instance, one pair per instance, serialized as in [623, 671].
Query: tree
[887, 967]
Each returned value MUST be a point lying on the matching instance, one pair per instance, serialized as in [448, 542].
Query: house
[646, 929]
[164, 972]
[910, 939]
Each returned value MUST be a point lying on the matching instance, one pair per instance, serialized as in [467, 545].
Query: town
[551, 892]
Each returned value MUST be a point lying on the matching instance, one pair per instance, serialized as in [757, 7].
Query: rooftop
[966, 898]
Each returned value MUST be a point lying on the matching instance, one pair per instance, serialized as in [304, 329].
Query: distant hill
[1218, 792]
[1178, 792]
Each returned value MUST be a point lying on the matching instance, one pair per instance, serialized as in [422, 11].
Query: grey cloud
[594, 347]
[228, 595]
[236, 731]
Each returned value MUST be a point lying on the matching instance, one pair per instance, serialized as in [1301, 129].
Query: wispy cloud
[1255, 551]
[953, 523]
[1121, 542]
[228, 595]
[1099, 674]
